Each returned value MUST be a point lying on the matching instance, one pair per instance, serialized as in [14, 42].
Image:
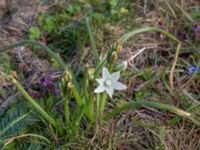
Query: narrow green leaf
[93, 43]
[139, 104]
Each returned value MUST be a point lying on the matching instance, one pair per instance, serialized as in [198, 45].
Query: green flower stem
[43, 47]
[157, 105]
[100, 66]
[91, 100]
[66, 111]
[91, 108]
[36, 106]
[76, 96]
[98, 100]
[102, 103]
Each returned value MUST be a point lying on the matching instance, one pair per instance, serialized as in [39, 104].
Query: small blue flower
[192, 69]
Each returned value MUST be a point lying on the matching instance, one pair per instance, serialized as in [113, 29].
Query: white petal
[106, 73]
[110, 91]
[115, 76]
[100, 89]
[118, 86]
[100, 81]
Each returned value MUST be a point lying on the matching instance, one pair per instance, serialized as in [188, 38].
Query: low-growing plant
[84, 106]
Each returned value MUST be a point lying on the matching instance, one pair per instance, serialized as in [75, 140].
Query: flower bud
[63, 80]
[62, 90]
[69, 85]
[122, 66]
[14, 74]
[114, 57]
[118, 46]
[123, 10]
[67, 75]
[91, 73]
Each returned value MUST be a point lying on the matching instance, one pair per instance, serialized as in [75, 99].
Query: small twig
[137, 53]
[171, 77]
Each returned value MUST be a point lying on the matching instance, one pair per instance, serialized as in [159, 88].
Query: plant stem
[100, 66]
[98, 104]
[102, 104]
[76, 95]
[36, 106]
[67, 112]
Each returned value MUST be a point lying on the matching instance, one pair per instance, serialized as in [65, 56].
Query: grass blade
[93, 43]
[42, 46]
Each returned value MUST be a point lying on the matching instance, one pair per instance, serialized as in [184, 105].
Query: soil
[16, 16]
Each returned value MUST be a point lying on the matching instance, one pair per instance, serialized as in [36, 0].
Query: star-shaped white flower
[109, 83]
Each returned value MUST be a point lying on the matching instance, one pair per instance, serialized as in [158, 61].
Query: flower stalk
[102, 103]
[36, 106]
[75, 93]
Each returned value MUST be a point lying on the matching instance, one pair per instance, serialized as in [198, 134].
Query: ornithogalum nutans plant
[83, 100]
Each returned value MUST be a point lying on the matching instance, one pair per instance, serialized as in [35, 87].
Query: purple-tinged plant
[47, 82]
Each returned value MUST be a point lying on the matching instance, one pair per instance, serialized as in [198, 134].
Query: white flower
[109, 83]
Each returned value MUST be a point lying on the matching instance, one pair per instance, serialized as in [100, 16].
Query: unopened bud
[69, 85]
[14, 74]
[91, 73]
[118, 46]
[63, 80]
[122, 66]
[67, 75]
[114, 57]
